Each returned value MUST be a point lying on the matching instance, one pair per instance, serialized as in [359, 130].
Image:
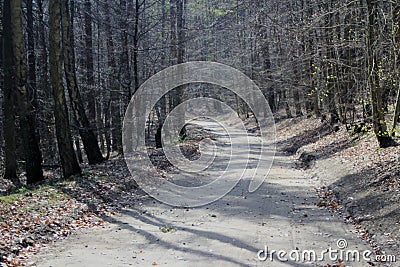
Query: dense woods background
[70, 67]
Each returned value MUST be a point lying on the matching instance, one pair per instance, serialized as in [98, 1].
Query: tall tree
[16, 91]
[162, 105]
[26, 93]
[172, 35]
[136, 46]
[86, 132]
[10, 162]
[329, 65]
[46, 125]
[124, 72]
[396, 41]
[180, 50]
[114, 103]
[68, 158]
[32, 94]
[1, 71]
[90, 90]
[378, 116]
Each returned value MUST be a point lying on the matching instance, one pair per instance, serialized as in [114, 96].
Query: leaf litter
[31, 219]
[369, 196]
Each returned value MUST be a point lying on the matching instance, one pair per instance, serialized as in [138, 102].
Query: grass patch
[167, 229]
[51, 194]
[9, 199]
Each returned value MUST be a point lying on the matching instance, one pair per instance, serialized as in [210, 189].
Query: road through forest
[280, 215]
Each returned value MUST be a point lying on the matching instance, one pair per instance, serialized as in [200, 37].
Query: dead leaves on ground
[31, 219]
[327, 199]
[374, 190]
[34, 219]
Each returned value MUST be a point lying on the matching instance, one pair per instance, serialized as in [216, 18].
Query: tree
[396, 41]
[136, 46]
[162, 105]
[18, 93]
[45, 109]
[68, 158]
[114, 102]
[86, 132]
[26, 95]
[10, 162]
[329, 65]
[378, 116]
[91, 97]
[180, 58]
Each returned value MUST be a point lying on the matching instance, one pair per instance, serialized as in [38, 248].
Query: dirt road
[233, 231]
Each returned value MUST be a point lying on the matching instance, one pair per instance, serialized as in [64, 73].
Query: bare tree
[68, 158]
[10, 163]
[85, 129]
[378, 116]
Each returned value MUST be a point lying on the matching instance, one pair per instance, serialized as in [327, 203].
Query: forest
[69, 69]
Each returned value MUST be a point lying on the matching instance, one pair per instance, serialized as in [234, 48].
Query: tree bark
[90, 90]
[396, 37]
[68, 158]
[172, 35]
[26, 93]
[378, 117]
[116, 127]
[86, 132]
[162, 105]
[125, 80]
[32, 90]
[329, 68]
[136, 47]
[267, 69]
[10, 162]
[180, 25]
[1, 77]
[47, 132]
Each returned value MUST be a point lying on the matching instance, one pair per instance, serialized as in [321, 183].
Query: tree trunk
[396, 113]
[78, 149]
[47, 132]
[329, 68]
[136, 47]
[378, 117]
[396, 37]
[180, 25]
[286, 104]
[296, 93]
[26, 93]
[124, 68]
[102, 93]
[90, 90]
[314, 101]
[267, 69]
[116, 127]
[172, 35]
[32, 90]
[68, 158]
[10, 162]
[1, 78]
[88, 137]
[162, 105]
[107, 125]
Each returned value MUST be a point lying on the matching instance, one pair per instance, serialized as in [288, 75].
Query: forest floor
[357, 178]
[324, 186]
